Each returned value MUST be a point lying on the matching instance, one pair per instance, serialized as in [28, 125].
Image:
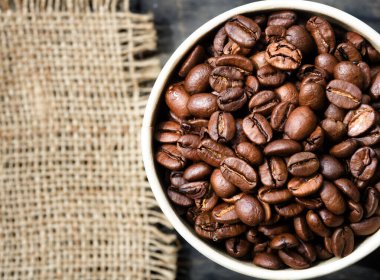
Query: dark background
[175, 20]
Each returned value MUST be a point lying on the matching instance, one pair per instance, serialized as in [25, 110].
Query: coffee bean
[232, 99]
[240, 173]
[243, 31]
[356, 211]
[254, 236]
[360, 120]
[371, 201]
[257, 129]
[252, 85]
[346, 51]
[169, 157]
[330, 167]
[273, 172]
[208, 201]
[249, 210]
[258, 60]
[349, 72]
[363, 163]
[283, 241]
[300, 123]
[221, 186]
[168, 132]
[238, 61]
[197, 79]
[372, 137]
[194, 126]
[335, 113]
[310, 203]
[213, 153]
[309, 73]
[223, 77]
[176, 178]
[300, 38]
[330, 219]
[322, 253]
[187, 145]
[283, 55]
[235, 49]
[342, 242]
[312, 95]
[316, 225]
[366, 226]
[366, 75]
[270, 76]
[240, 136]
[202, 105]
[280, 115]
[314, 141]
[327, 62]
[302, 187]
[273, 230]
[197, 55]
[322, 33]
[194, 190]
[274, 33]
[343, 94]
[301, 228]
[289, 210]
[334, 130]
[287, 92]
[303, 164]
[274, 195]
[267, 260]
[332, 198]
[225, 213]
[263, 102]
[237, 247]
[357, 41]
[344, 149]
[282, 18]
[221, 127]
[249, 152]
[282, 147]
[293, 259]
[348, 188]
[307, 250]
[197, 171]
[220, 40]
[176, 99]
[375, 87]
[178, 198]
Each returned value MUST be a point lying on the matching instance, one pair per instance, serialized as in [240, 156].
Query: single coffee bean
[342, 242]
[237, 247]
[363, 163]
[302, 187]
[300, 123]
[213, 153]
[249, 152]
[270, 76]
[268, 215]
[282, 18]
[258, 60]
[344, 149]
[249, 210]
[316, 225]
[238, 61]
[257, 129]
[349, 72]
[283, 55]
[335, 113]
[307, 250]
[243, 31]
[272, 230]
[240, 173]
[221, 127]
[179, 199]
[312, 95]
[372, 137]
[288, 92]
[310, 203]
[322, 33]
[283, 241]
[303, 164]
[252, 85]
[301, 228]
[357, 41]
[194, 126]
[273, 172]
[289, 210]
[346, 51]
[282, 147]
[314, 141]
[208, 201]
[169, 157]
[334, 130]
[221, 186]
[375, 87]
[267, 260]
[366, 74]
[197, 55]
[274, 195]
[343, 94]
[355, 211]
[168, 132]
[176, 98]
[197, 171]
[176, 179]
[329, 219]
[197, 79]
[254, 236]
[300, 38]
[194, 190]
[360, 120]
[223, 77]
[220, 40]
[202, 105]
[274, 33]
[187, 145]
[348, 188]
[326, 61]
[366, 226]
[280, 114]
[332, 198]
[309, 73]
[330, 167]
[263, 102]
[235, 49]
[371, 201]
[293, 259]
[225, 213]
[232, 99]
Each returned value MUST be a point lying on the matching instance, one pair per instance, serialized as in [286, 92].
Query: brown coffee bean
[221, 127]
[327, 242]
[366, 226]
[309, 73]
[322, 33]
[194, 126]
[342, 242]
[240, 136]
[289, 210]
[194, 190]
[249, 210]
[329, 219]
[274, 195]
[283, 241]
[343, 94]
[360, 120]
[257, 129]
[197, 171]
[223, 77]
[282, 147]
[263, 102]
[332, 198]
[326, 61]
[357, 41]
[220, 40]
[249, 152]
[330, 167]
[196, 56]
[213, 153]
[349, 72]
[312, 95]
[252, 86]
[315, 140]
[300, 123]
[300, 38]
[225, 213]
[169, 157]
[221, 186]
[187, 145]
[267, 260]
[274, 33]
[375, 87]
[258, 60]
[303, 164]
[301, 228]
[366, 74]
[280, 114]
[254, 236]
[238, 61]
[346, 51]
[283, 55]
[208, 201]
[302, 187]
[235, 49]
[282, 18]
[243, 31]
[270, 76]
[348, 188]
[176, 99]
[363, 163]
[168, 132]
[371, 201]
[197, 79]
[237, 247]
[176, 178]
[372, 137]
[344, 149]
[273, 172]
[273, 230]
[288, 92]
[335, 113]
[355, 211]
[293, 259]
[334, 130]
[322, 253]
[240, 173]
[316, 225]
[307, 250]
[310, 203]
[202, 105]
[232, 99]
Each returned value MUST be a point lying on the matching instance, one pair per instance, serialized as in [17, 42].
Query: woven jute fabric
[74, 200]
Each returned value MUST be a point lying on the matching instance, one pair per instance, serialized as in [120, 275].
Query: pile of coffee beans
[270, 139]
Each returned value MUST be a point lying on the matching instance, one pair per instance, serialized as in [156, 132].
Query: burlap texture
[74, 200]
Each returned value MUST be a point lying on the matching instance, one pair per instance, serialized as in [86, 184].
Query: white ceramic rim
[344, 19]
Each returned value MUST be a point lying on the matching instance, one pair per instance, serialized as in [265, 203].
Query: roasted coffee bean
[302, 187]
[221, 186]
[314, 141]
[327, 242]
[220, 40]
[238, 61]
[252, 85]
[307, 250]
[274, 33]
[257, 129]
[176, 178]
[342, 242]
[202, 105]
[237, 247]
[240, 136]
[197, 79]
[169, 157]
[375, 87]
[187, 145]
[303, 164]
[301, 228]
[249, 152]
[180, 199]
[232, 99]
[176, 98]
[221, 127]
[366, 226]
[243, 31]
[355, 211]
[240, 173]
[330, 167]
[273, 172]
[329, 219]
[344, 149]
[348, 188]
[346, 51]
[357, 41]
[197, 55]
[316, 225]
[197, 171]
[213, 153]
[283, 241]
[312, 95]
[289, 210]
[258, 60]
[371, 201]
[310, 203]
[225, 213]
[332, 198]
[194, 190]
[349, 72]
[363, 163]
[300, 38]
[293, 259]
[267, 260]
[280, 115]
[168, 132]
[223, 77]
[270, 76]
[235, 49]
[273, 230]
[366, 75]
[372, 137]
[335, 113]
[194, 126]
[322, 253]
[300, 123]
[343, 94]
[263, 102]
[249, 210]
[360, 120]
[254, 236]
[282, 147]
[327, 62]
[283, 55]
[322, 33]
[310, 73]
[287, 92]
[282, 18]
[208, 201]
[274, 195]
[334, 130]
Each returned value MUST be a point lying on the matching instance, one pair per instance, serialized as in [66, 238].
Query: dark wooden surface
[175, 20]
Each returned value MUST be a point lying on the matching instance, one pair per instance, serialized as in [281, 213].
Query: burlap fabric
[74, 200]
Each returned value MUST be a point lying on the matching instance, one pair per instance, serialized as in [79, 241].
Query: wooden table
[175, 20]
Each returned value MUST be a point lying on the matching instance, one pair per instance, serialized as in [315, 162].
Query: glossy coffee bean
[334, 130]
[240, 136]
[202, 105]
[187, 145]
[375, 87]
[249, 152]
[273, 230]
[225, 213]
[289, 210]
[363, 163]
[243, 30]
[194, 190]
[240, 173]
[274, 195]
[330, 219]
[219, 42]
[283, 55]
[263, 102]
[232, 99]
[348, 188]
[252, 86]
[330, 167]
[196, 56]
[274, 33]
[257, 129]
[332, 198]
[346, 51]
[349, 72]
[213, 153]
[273, 172]
[208, 201]
[176, 178]
[178, 198]
[355, 211]
[280, 114]
[322, 253]
[312, 95]
[283, 241]
[300, 123]
[342, 242]
[197, 79]
[221, 186]
[270, 76]
[316, 225]
[237, 247]
[176, 98]
[371, 201]
[303, 164]
[223, 77]
[168, 132]
[366, 226]
[267, 260]
[169, 157]
[300, 38]
[360, 120]
[288, 92]
[249, 210]
[238, 61]
[293, 259]
[194, 126]
[221, 127]
[197, 171]
[326, 61]
[282, 18]
[282, 147]
[308, 251]
[315, 140]
[370, 138]
[305, 186]
[301, 228]
[343, 94]
[335, 113]
[258, 60]
[311, 203]
[322, 33]
[344, 149]
[254, 236]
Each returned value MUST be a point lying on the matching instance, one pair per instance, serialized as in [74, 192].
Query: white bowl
[334, 15]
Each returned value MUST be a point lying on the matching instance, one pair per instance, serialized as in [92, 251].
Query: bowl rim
[342, 18]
